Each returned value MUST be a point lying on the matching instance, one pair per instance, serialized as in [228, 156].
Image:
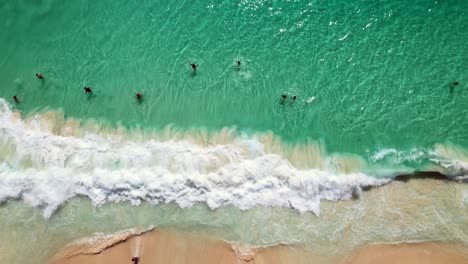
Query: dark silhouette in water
[16, 99]
[283, 99]
[139, 96]
[39, 75]
[88, 89]
[237, 67]
[194, 68]
[294, 98]
[135, 260]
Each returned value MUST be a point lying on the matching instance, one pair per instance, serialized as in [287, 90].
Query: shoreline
[406, 201]
[264, 164]
[84, 173]
[160, 246]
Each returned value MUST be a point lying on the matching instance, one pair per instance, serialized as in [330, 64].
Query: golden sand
[177, 248]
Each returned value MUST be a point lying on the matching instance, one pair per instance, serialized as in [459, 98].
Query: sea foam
[45, 170]
[448, 159]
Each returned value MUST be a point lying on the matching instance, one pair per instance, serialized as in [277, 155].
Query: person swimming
[139, 96]
[238, 63]
[294, 98]
[455, 83]
[39, 75]
[194, 66]
[88, 89]
[16, 99]
[284, 96]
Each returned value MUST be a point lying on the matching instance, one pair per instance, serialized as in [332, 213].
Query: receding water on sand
[418, 210]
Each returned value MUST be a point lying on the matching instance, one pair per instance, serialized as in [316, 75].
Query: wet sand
[430, 253]
[174, 247]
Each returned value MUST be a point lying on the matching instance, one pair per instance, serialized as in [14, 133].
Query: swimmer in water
[294, 98]
[284, 96]
[237, 67]
[16, 99]
[139, 96]
[88, 89]
[39, 75]
[194, 66]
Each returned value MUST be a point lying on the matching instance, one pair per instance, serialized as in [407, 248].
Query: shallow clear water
[375, 98]
[380, 71]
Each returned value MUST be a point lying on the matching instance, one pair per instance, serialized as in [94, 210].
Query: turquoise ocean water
[380, 71]
[375, 91]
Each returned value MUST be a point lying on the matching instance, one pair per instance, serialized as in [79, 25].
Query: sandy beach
[159, 246]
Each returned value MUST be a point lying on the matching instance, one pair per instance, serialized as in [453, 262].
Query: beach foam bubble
[45, 170]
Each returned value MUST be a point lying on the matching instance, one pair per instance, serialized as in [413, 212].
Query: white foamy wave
[456, 168]
[399, 156]
[45, 170]
[380, 155]
[449, 160]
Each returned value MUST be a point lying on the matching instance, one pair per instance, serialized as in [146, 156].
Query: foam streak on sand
[45, 170]
[98, 243]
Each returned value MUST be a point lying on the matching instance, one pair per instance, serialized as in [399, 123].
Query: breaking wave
[45, 162]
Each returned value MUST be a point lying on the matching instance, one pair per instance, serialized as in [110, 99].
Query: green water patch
[367, 75]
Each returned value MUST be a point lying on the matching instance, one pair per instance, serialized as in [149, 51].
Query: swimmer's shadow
[90, 96]
[451, 87]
